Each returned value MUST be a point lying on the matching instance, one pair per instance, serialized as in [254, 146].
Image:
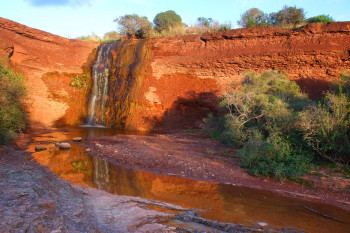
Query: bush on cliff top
[12, 94]
[320, 19]
[134, 26]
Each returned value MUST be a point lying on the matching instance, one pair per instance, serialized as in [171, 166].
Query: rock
[88, 150]
[64, 145]
[262, 224]
[40, 147]
[77, 139]
[57, 144]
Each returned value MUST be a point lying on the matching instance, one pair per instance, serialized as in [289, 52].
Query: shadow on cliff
[186, 112]
[314, 88]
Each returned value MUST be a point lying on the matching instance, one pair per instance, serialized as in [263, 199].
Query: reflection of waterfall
[99, 93]
[101, 176]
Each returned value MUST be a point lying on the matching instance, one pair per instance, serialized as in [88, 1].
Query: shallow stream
[220, 202]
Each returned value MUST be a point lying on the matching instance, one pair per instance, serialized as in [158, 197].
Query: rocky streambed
[33, 199]
[114, 182]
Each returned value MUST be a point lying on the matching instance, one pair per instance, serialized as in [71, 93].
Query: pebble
[40, 147]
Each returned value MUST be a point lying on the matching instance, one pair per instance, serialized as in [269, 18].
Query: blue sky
[73, 18]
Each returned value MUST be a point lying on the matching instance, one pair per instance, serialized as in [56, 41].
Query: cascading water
[99, 93]
[116, 77]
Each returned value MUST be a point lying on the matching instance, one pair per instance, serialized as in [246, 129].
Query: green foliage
[254, 18]
[134, 26]
[225, 27]
[274, 157]
[327, 127]
[342, 85]
[261, 106]
[12, 94]
[262, 117]
[288, 16]
[80, 81]
[165, 20]
[321, 19]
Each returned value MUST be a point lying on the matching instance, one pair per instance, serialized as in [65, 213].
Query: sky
[74, 18]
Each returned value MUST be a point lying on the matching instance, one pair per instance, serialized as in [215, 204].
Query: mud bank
[195, 156]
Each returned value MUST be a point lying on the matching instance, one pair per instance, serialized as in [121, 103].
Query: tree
[134, 26]
[165, 20]
[288, 16]
[205, 22]
[254, 18]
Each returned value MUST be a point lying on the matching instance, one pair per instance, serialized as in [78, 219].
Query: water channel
[221, 202]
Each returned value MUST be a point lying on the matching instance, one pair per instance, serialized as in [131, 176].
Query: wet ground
[219, 202]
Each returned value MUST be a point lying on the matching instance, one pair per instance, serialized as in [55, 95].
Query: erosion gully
[219, 202]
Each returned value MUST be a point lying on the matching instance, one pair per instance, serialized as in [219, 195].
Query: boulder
[64, 145]
[77, 139]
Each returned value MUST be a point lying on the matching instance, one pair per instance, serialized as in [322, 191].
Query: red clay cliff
[48, 62]
[183, 76]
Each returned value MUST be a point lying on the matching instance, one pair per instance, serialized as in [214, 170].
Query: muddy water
[224, 203]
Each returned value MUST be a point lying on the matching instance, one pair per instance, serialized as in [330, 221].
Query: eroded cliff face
[49, 63]
[178, 80]
[185, 75]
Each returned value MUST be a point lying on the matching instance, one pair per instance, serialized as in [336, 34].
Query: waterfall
[117, 75]
[99, 89]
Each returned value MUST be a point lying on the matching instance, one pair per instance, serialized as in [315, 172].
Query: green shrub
[262, 117]
[279, 130]
[327, 128]
[274, 157]
[262, 106]
[321, 19]
[254, 18]
[342, 85]
[225, 27]
[12, 94]
[80, 81]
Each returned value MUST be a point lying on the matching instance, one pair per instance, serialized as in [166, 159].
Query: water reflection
[224, 203]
